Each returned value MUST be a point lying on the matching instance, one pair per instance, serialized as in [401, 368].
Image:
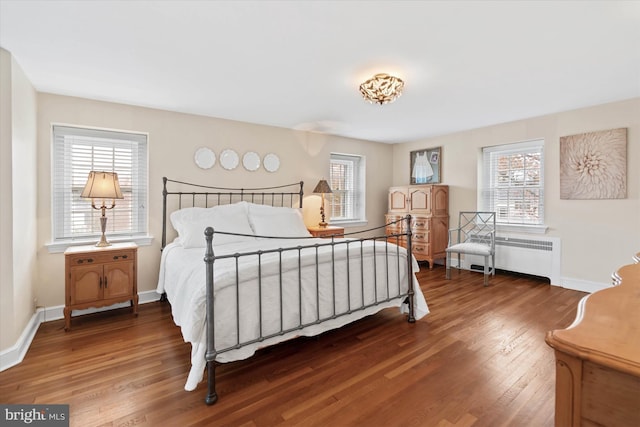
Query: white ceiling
[298, 64]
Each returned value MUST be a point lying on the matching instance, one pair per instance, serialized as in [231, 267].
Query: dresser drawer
[420, 236]
[394, 227]
[92, 258]
[420, 249]
[397, 221]
[420, 223]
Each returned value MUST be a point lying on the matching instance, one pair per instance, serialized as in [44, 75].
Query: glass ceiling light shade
[382, 89]
[102, 185]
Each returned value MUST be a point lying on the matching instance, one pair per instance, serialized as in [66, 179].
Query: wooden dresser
[598, 358]
[428, 206]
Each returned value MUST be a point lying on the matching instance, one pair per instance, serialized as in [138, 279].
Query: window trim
[484, 175]
[360, 180]
[140, 237]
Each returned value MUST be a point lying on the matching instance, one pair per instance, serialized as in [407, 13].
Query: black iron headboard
[191, 195]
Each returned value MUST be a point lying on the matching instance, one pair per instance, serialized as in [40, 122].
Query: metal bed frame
[278, 196]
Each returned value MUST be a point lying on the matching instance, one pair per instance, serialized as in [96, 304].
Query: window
[513, 182]
[346, 178]
[76, 152]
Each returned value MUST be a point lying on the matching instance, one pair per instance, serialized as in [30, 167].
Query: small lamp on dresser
[102, 185]
[322, 188]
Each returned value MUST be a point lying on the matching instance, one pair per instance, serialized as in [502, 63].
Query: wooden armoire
[429, 209]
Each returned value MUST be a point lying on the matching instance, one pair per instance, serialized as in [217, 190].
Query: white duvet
[182, 277]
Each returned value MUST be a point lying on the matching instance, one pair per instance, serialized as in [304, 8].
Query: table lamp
[322, 188]
[102, 185]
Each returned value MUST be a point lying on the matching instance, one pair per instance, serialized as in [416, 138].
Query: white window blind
[513, 182]
[346, 178]
[76, 152]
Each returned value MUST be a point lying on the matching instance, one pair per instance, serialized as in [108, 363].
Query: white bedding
[182, 277]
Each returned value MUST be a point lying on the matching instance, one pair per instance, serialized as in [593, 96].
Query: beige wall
[18, 111]
[173, 139]
[597, 236]
[7, 334]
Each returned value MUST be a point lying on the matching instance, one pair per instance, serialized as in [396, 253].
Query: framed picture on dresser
[425, 166]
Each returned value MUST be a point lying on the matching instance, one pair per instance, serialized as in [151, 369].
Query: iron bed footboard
[390, 243]
[406, 295]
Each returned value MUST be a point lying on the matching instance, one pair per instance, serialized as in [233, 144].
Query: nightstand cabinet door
[118, 279]
[85, 284]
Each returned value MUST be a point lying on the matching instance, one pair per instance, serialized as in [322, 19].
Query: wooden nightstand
[327, 231]
[98, 277]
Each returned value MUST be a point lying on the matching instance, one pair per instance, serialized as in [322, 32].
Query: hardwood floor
[478, 359]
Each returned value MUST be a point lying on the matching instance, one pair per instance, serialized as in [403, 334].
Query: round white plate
[271, 162]
[251, 161]
[229, 159]
[205, 158]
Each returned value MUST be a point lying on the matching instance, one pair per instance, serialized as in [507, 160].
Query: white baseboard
[15, 354]
[565, 282]
[583, 285]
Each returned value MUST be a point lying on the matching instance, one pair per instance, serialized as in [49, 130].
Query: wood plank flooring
[478, 359]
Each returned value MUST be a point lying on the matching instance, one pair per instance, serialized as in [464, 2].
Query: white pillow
[277, 221]
[254, 208]
[190, 224]
[181, 218]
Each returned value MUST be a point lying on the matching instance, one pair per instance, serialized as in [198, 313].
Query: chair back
[477, 227]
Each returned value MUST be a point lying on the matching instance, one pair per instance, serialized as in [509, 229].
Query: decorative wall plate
[229, 159]
[251, 161]
[271, 162]
[205, 158]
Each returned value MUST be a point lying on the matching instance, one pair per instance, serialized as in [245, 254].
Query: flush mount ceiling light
[382, 89]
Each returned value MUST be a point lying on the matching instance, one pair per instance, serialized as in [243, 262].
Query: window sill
[59, 247]
[350, 223]
[521, 228]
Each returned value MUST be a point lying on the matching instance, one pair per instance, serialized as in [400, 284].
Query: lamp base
[102, 244]
[103, 225]
[322, 224]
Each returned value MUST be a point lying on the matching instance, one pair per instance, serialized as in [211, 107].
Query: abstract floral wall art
[593, 165]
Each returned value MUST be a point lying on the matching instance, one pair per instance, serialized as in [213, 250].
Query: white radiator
[524, 254]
